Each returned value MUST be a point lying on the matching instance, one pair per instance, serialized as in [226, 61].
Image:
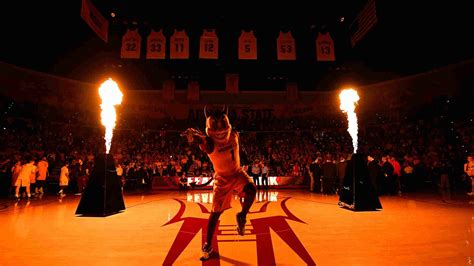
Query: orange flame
[349, 99]
[111, 95]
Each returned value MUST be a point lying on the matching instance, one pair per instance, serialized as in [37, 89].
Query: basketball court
[285, 227]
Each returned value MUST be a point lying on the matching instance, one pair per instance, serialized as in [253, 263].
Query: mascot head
[218, 127]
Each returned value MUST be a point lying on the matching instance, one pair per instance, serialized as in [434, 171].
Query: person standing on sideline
[387, 171]
[469, 171]
[256, 170]
[33, 181]
[81, 177]
[42, 174]
[443, 171]
[375, 173]
[341, 172]
[63, 179]
[15, 173]
[316, 170]
[328, 175]
[309, 167]
[265, 175]
[397, 173]
[120, 176]
[23, 179]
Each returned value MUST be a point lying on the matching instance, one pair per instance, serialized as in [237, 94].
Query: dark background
[50, 36]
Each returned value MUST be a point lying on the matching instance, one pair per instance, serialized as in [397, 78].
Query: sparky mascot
[221, 143]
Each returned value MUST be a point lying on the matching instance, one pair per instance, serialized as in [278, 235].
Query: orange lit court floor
[286, 227]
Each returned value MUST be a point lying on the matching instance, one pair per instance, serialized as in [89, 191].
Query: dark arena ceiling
[52, 37]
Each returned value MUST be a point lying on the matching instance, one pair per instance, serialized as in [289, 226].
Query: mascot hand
[193, 134]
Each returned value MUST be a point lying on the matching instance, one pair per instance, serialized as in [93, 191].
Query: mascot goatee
[221, 143]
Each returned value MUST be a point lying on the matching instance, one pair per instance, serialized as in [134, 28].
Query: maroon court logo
[261, 230]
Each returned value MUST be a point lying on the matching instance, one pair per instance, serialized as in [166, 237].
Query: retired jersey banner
[209, 45]
[131, 45]
[247, 46]
[179, 45]
[95, 20]
[325, 47]
[286, 46]
[156, 45]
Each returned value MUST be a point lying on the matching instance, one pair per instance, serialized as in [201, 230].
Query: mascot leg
[250, 192]
[211, 225]
[211, 228]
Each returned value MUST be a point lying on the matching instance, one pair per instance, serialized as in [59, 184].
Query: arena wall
[27, 85]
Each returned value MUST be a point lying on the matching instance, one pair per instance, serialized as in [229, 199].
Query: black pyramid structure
[103, 193]
[358, 193]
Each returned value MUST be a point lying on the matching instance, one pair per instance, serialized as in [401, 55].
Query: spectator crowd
[42, 145]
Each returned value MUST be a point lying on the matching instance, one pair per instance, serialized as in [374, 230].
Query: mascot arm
[207, 146]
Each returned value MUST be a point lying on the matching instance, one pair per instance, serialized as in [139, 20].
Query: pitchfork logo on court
[260, 229]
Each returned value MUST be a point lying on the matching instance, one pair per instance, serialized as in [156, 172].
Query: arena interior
[331, 133]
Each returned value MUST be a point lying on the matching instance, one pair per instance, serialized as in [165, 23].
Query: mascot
[221, 143]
